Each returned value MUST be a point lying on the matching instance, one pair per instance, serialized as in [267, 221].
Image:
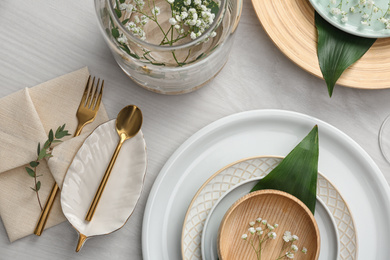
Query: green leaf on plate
[297, 173]
[337, 50]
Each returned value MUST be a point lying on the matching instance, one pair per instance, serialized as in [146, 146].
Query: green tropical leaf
[297, 173]
[337, 50]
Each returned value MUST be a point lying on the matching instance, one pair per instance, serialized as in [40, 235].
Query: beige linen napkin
[25, 119]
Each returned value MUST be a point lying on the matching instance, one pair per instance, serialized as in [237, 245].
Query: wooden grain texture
[276, 207]
[290, 25]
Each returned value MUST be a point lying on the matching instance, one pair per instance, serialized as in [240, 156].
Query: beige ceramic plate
[276, 207]
[290, 25]
[230, 176]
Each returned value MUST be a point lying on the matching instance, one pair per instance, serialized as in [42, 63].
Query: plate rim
[345, 29]
[379, 179]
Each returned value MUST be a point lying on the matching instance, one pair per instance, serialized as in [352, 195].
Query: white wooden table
[40, 40]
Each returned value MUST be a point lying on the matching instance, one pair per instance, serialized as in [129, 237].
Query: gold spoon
[128, 123]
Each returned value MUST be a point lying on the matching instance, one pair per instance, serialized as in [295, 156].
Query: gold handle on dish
[103, 182]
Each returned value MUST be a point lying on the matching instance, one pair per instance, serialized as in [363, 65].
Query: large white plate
[270, 132]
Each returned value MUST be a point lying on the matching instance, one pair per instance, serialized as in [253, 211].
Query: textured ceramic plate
[122, 191]
[364, 20]
[265, 132]
[328, 229]
[290, 25]
[228, 177]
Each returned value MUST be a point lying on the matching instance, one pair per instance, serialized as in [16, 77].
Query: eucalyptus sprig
[44, 152]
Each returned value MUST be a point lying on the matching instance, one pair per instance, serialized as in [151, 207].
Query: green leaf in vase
[297, 173]
[337, 50]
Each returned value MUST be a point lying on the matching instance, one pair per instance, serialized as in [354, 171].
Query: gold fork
[86, 113]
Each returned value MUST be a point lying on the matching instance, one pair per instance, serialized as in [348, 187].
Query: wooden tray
[290, 25]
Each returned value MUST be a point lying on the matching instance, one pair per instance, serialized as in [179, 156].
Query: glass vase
[158, 52]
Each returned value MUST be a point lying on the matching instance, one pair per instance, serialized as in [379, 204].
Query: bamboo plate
[277, 207]
[290, 25]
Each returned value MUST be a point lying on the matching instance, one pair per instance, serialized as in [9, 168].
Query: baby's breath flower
[365, 16]
[130, 8]
[333, 2]
[252, 230]
[270, 227]
[213, 34]
[352, 9]
[290, 255]
[122, 6]
[172, 21]
[245, 236]
[156, 10]
[122, 39]
[335, 11]
[136, 19]
[294, 248]
[272, 235]
[177, 26]
[375, 9]
[295, 237]
[187, 2]
[183, 15]
[252, 223]
[258, 220]
[170, 1]
[387, 25]
[344, 19]
[362, 2]
[382, 20]
[264, 222]
[276, 225]
[364, 22]
[304, 250]
[197, 2]
[370, 3]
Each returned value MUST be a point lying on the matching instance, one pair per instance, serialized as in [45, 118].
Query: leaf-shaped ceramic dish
[123, 188]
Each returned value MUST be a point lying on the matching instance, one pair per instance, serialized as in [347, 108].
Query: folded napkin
[26, 118]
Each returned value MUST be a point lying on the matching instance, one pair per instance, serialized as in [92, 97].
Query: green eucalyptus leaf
[33, 189]
[34, 164]
[337, 50]
[42, 154]
[38, 186]
[297, 173]
[125, 21]
[51, 136]
[39, 148]
[30, 172]
[46, 145]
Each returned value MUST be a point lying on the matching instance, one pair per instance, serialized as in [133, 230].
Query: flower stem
[36, 188]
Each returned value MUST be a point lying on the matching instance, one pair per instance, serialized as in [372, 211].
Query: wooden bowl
[279, 207]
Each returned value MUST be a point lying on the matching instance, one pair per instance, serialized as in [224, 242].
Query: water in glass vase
[191, 29]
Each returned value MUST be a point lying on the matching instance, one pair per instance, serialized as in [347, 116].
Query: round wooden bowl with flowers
[268, 224]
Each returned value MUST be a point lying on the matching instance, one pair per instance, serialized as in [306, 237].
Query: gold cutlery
[128, 123]
[86, 113]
